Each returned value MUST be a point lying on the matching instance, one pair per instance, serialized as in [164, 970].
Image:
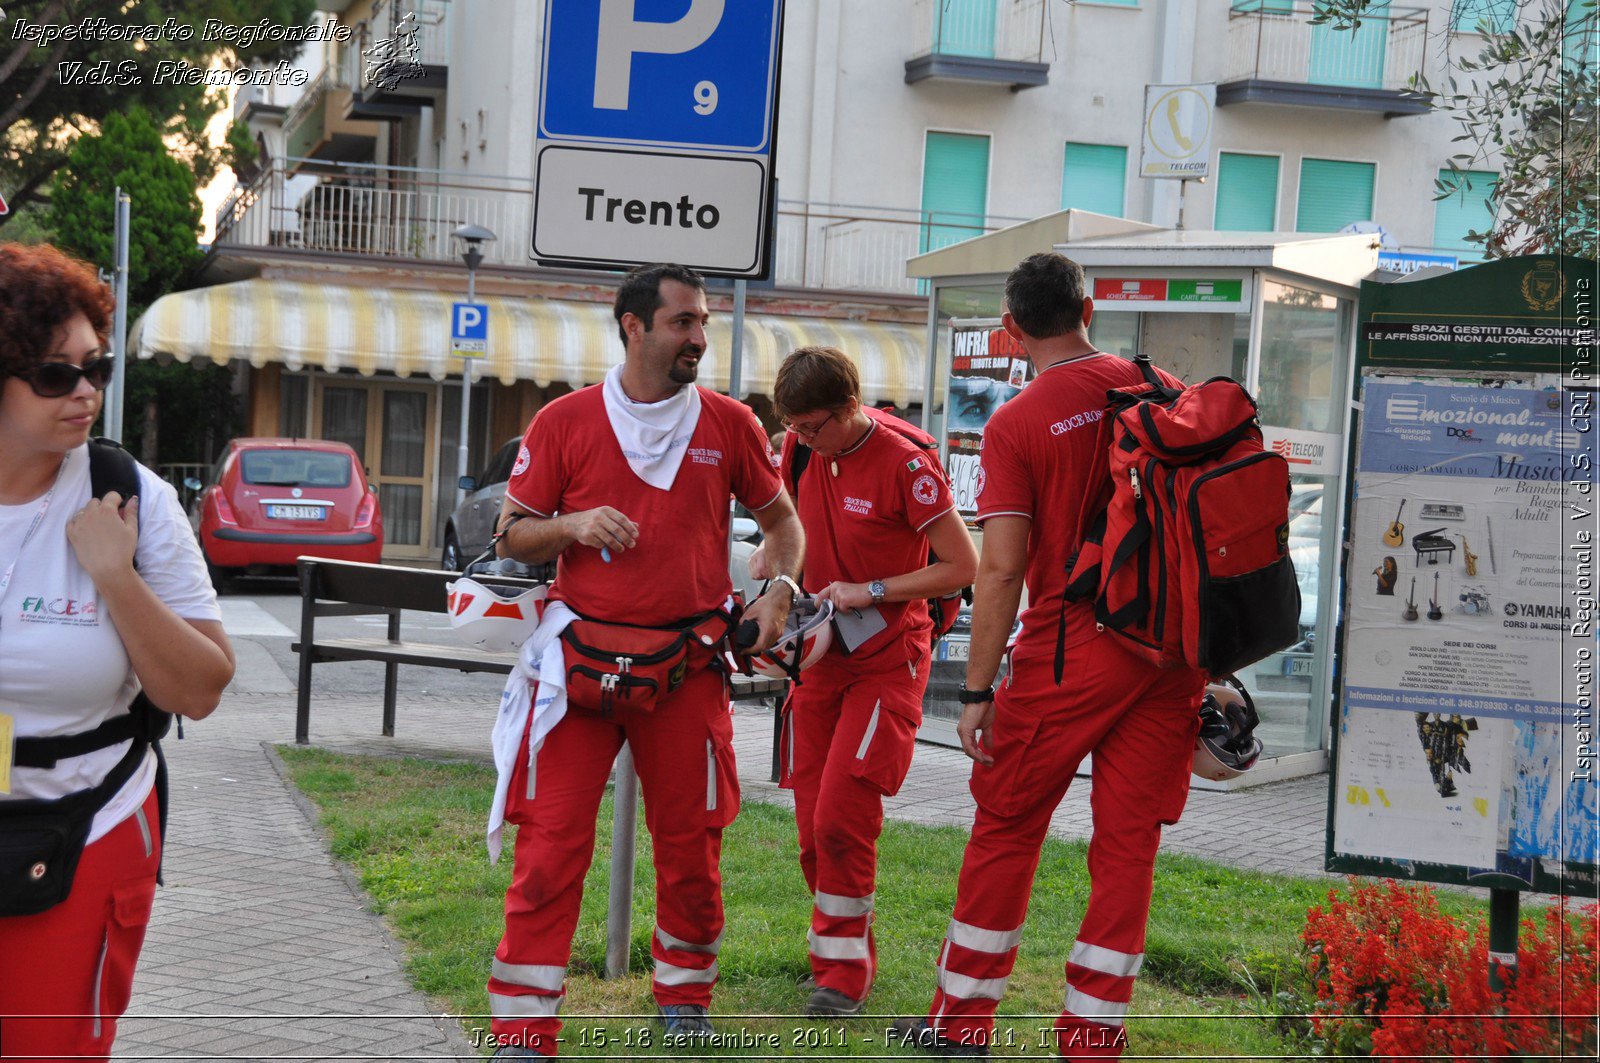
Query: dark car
[471, 524]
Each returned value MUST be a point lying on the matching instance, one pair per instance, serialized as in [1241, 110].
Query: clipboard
[856, 626]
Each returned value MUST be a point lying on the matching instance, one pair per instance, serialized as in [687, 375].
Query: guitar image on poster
[1434, 612]
[1411, 601]
[1396, 535]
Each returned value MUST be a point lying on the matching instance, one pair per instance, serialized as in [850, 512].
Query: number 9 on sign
[705, 97]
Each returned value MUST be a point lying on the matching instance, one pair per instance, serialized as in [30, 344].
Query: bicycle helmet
[1226, 746]
[494, 617]
[807, 634]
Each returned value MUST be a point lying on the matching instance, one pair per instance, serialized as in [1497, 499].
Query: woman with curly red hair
[105, 613]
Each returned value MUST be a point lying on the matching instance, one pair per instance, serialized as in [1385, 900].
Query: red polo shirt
[869, 520]
[571, 461]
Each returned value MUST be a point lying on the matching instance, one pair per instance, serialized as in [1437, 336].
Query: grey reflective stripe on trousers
[1084, 1006]
[711, 777]
[671, 974]
[959, 985]
[980, 940]
[834, 948]
[670, 942]
[531, 1006]
[546, 977]
[839, 907]
[1106, 961]
[872, 729]
[144, 830]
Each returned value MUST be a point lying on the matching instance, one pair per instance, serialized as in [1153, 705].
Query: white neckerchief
[654, 436]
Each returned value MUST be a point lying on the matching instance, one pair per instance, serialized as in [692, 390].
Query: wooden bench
[352, 588]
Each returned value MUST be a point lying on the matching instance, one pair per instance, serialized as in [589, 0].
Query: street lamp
[473, 236]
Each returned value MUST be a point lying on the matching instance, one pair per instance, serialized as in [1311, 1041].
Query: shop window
[1333, 193]
[955, 188]
[1247, 193]
[1115, 332]
[1470, 208]
[1093, 177]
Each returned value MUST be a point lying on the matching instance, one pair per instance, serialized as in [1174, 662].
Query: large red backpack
[1188, 561]
[942, 611]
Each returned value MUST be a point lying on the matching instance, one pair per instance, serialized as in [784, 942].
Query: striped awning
[407, 332]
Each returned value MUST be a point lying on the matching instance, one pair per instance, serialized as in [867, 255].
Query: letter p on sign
[468, 317]
[621, 36]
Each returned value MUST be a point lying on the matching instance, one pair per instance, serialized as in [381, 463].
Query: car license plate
[296, 512]
[950, 650]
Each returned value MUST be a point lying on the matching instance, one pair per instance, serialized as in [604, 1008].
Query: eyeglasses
[53, 380]
[809, 431]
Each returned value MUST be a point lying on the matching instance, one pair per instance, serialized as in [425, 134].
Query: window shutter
[1333, 194]
[1465, 211]
[955, 188]
[1247, 193]
[1093, 178]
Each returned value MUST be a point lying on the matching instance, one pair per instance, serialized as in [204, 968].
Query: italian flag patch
[914, 464]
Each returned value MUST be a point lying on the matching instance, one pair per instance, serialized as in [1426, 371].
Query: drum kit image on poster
[1428, 548]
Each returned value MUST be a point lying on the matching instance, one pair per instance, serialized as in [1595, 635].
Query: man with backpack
[873, 500]
[1041, 469]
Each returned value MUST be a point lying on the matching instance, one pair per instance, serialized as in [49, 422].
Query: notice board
[1464, 743]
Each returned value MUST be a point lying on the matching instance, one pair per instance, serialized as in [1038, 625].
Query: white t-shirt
[62, 666]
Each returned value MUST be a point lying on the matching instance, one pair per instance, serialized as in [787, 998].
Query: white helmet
[494, 617]
[807, 634]
[1226, 746]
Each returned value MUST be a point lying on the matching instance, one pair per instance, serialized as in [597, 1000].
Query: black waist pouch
[41, 841]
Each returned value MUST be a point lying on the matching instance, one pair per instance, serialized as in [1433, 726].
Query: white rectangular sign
[1177, 131]
[623, 207]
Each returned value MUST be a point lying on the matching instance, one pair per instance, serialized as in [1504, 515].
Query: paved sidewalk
[261, 946]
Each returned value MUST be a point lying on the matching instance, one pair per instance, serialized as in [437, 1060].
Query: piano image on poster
[1431, 544]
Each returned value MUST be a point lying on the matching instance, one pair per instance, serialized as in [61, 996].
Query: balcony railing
[1011, 30]
[408, 214]
[1274, 41]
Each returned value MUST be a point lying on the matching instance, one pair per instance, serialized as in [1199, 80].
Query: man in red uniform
[871, 502]
[627, 485]
[1139, 722]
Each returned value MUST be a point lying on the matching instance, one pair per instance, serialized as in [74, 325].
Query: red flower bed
[1397, 978]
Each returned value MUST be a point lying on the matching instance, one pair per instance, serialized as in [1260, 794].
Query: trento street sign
[655, 133]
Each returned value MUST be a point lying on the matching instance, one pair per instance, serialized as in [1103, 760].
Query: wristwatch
[795, 593]
[879, 590]
[974, 697]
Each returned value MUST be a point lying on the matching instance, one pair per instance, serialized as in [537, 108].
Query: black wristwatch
[974, 697]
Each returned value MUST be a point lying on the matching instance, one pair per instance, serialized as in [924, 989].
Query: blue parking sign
[469, 328]
[695, 74]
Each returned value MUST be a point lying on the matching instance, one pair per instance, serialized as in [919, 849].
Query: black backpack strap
[1147, 369]
[143, 721]
[799, 458]
[112, 469]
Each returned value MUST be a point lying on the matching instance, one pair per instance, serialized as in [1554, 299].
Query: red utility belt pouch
[612, 666]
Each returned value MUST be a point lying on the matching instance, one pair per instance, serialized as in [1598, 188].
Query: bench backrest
[385, 586]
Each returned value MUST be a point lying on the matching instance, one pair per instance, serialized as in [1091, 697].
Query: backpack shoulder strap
[1148, 370]
[112, 469]
[799, 458]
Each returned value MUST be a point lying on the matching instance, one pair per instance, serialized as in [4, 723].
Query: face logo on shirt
[925, 489]
[982, 482]
[524, 459]
[69, 611]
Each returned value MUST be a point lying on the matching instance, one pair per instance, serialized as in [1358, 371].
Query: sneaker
[515, 1052]
[807, 984]
[828, 1003]
[916, 1031]
[684, 1021]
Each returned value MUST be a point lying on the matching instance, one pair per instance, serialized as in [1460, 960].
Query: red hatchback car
[273, 501]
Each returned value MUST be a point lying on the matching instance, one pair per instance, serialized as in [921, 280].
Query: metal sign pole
[619, 903]
[736, 365]
[466, 396]
[119, 327]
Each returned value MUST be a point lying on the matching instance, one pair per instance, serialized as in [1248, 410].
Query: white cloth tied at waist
[542, 668]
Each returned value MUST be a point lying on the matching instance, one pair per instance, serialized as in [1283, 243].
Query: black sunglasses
[53, 380]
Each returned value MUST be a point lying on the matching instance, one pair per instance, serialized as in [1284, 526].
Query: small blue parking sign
[688, 74]
[469, 328]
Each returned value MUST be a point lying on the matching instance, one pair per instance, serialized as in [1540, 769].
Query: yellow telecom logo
[1177, 131]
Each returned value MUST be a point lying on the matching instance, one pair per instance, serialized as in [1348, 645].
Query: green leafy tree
[1525, 103]
[43, 114]
[129, 152]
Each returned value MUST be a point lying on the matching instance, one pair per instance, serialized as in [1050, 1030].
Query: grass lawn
[413, 832]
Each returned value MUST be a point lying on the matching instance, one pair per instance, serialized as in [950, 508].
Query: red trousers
[683, 752]
[73, 964]
[1140, 724]
[849, 732]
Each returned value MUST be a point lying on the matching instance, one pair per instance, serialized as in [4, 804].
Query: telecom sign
[469, 329]
[655, 131]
